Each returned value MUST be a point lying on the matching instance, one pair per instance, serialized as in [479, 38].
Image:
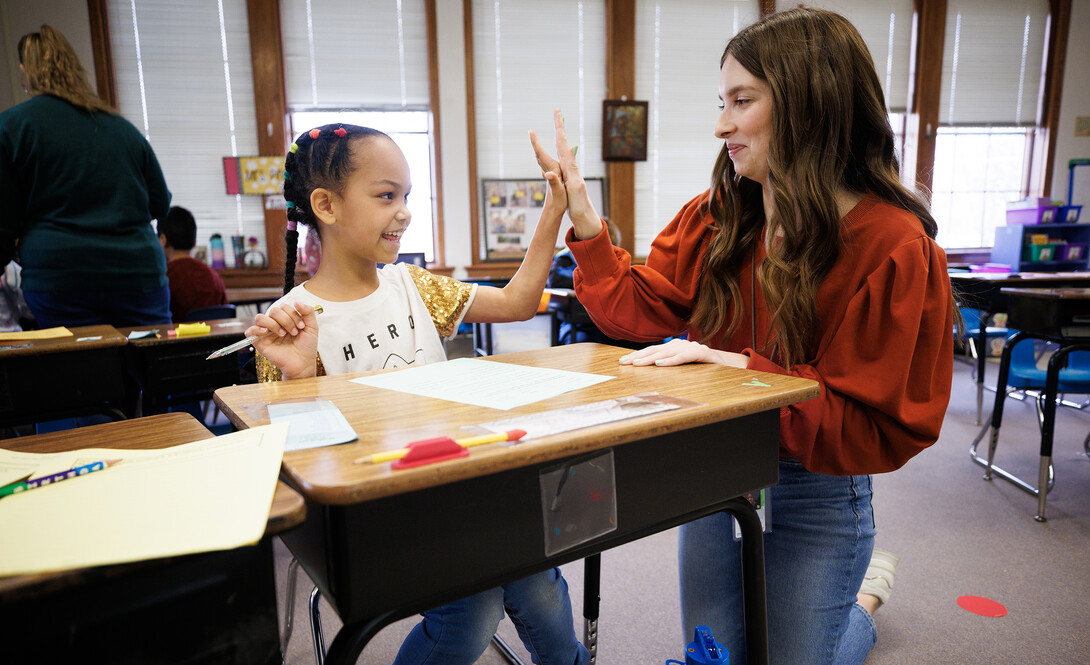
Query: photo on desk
[511, 210]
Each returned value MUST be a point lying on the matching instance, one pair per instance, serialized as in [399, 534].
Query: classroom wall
[1075, 103]
[18, 17]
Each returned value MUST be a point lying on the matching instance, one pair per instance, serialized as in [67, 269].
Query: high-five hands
[584, 218]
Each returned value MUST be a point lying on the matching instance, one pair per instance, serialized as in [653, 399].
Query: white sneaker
[878, 581]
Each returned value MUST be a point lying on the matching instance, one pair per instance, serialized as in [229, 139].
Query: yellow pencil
[379, 458]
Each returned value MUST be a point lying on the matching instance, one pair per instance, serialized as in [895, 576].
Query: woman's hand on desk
[289, 339]
[680, 352]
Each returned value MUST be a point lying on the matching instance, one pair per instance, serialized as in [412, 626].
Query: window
[678, 46]
[184, 79]
[977, 171]
[366, 64]
[409, 129]
[515, 92]
[988, 109]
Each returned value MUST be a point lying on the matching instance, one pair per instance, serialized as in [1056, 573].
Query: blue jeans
[459, 632]
[122, 308]
[815, 559]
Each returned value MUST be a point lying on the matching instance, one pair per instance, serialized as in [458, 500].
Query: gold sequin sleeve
[445, 297]
[268, 372]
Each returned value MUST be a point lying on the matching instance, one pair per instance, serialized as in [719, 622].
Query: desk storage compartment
[1054, 317]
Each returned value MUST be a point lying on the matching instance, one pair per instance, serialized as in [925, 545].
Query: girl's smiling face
[745, 121]
[372, 210]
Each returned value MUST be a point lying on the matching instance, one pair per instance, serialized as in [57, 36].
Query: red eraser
[428, 451]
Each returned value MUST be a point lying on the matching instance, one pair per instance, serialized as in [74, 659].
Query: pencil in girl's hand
[243, 343]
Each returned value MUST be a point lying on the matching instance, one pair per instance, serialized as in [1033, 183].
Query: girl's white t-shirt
[392, 327]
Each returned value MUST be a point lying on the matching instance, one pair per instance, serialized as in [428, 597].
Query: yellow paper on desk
[48, 333]
[208, 495]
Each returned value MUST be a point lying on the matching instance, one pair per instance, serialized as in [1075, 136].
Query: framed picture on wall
[511, 211]
[624, 131]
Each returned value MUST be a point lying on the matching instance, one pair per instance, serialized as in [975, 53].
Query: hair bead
[292, 226]
[340, 132]
[289, 204]
[294, 147]
[315, 132]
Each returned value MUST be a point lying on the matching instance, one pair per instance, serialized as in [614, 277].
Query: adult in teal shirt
[79, 186]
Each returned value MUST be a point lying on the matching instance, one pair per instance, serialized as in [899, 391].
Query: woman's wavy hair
[51, 67]
[322, 157]
[830, 131]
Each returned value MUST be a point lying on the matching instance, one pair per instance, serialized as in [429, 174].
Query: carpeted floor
[955, 533]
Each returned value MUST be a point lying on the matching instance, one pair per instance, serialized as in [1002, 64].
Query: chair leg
[289, 609]
[505, 651]
[316, 626]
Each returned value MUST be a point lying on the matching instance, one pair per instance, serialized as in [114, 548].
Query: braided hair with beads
[319, 158]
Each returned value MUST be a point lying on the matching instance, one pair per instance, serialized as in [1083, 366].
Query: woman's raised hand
[584, 218]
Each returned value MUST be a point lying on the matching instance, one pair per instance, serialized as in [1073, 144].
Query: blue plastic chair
[971, 332]
[210, 313]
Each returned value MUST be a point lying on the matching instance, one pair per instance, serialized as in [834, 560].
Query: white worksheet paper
[495, 385]
[312, 424]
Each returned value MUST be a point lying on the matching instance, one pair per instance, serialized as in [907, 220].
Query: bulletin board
[512, 209]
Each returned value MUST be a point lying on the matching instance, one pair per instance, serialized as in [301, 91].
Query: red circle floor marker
[985, 607]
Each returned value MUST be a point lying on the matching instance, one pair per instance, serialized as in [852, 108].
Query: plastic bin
[1073, 251]
[1040, 252]
[1038, 215]
[1067, 214]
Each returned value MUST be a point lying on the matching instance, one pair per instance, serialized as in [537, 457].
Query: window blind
[184, 78]
[528, 59]
[991, 62]
[886, 27]
[678, 46]
[355, 55]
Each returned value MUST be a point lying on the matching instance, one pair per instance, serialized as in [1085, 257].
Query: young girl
[807, 257]
[351, 185]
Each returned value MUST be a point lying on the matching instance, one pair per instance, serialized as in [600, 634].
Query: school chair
[592, 578]
[970, 334]
[1024, 375]
[211, 313]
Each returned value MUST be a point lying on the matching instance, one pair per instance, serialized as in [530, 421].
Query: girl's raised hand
[556, 199]
[680, 352]
[289, 338]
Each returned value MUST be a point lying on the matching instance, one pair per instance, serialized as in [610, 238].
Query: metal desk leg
[753, 579]
[1048, 427]
[592, 579]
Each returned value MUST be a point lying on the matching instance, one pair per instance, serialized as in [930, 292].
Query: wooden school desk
[64, 377]
[257, 296]
[172, 370]
[383, 544]
[1060, 315]
[210, 607]
[984, 291]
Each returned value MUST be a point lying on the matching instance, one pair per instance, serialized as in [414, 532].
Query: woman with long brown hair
[79, 186]
[806, 257]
